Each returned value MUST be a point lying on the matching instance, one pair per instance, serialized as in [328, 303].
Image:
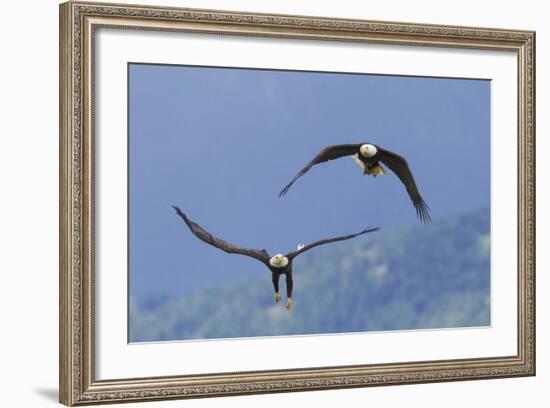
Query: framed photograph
[255, 203]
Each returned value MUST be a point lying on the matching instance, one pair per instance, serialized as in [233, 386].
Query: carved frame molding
[78, 21]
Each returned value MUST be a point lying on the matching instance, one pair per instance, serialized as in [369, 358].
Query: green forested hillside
[424, 276]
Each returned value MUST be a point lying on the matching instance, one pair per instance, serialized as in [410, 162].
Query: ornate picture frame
[79, 22]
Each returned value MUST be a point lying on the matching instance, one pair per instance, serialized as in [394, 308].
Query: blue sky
[220, 143]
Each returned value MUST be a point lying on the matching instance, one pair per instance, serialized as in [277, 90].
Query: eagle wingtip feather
[283, 192]
[180, 212]
[369, 229]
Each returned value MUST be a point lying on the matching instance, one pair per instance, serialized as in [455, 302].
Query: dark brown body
[276, 274]
[370, 162]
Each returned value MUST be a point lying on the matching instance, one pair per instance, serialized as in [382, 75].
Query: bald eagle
[369, 157]
[278, 264]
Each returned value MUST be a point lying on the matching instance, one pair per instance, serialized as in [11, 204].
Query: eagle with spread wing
[278, 264]
[370, 157]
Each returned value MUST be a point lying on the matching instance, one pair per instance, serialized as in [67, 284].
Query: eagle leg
[375, 170]
[289, 303]
[289, 286]
[275, 280]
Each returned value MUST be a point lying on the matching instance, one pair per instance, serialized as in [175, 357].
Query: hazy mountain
[424, 276]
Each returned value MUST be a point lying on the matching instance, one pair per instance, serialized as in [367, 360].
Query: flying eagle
[369, 157]
[278, 264]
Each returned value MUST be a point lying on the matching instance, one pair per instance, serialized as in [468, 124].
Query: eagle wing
[205, 236]
[400, 167]
[305, 248]
[328, 153]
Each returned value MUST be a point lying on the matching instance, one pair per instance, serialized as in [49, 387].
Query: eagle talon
[278, 297]
[289, 304]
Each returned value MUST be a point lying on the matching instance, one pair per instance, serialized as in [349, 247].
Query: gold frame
[78, 21]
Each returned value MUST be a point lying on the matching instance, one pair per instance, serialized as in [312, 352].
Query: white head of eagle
[278, 261]
[368, 150]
